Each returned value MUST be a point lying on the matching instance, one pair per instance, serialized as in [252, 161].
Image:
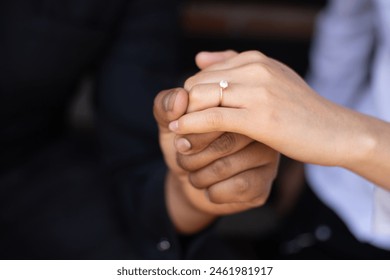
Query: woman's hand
[269, 102]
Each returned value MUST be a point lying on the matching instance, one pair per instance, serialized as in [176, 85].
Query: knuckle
[220, 167]
[242, 187]
[255, 55]
[196, 181]
[262, 193]
[184, 162]
[261, 69]
[224, 144]
[266, 71]
[215, 197]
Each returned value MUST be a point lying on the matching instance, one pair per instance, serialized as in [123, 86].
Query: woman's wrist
[371, 150]
[360, 141]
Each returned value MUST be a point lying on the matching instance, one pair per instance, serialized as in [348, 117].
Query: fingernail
[169, 101]
[173, 126]
[183, 145]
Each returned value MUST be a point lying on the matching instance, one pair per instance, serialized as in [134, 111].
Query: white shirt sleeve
[350, 65]
[342, 49]
[381, 219]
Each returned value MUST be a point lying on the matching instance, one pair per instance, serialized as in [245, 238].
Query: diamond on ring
[223, 84]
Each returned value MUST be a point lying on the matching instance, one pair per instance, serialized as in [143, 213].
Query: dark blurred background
[279, 28]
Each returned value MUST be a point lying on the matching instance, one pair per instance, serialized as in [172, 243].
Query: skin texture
[210, 174]
[269, 102]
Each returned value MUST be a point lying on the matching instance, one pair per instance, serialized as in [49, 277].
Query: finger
[211, 78]
[253, 155]
[226, 144]
[194, 143]
[236, 61]
[206, 59]
[213, 119]
[203, 96]
[208, 206]
[251, 73]
[169, 105]
[245, 187]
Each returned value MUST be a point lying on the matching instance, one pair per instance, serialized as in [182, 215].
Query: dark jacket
[97, 194]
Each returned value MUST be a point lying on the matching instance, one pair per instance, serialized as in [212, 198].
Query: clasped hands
[214, 173]
[223, 153]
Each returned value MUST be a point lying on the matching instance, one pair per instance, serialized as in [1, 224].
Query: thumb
[169, 105]
[206, 59]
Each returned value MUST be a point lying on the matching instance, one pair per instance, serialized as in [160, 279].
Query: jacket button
[163, 245]
[323, 233]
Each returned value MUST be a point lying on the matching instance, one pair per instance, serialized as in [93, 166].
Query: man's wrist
[186, 217]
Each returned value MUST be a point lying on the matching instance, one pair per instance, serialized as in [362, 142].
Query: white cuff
[381, 219]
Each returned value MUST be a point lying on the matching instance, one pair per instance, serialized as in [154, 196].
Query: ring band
[223, 85]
